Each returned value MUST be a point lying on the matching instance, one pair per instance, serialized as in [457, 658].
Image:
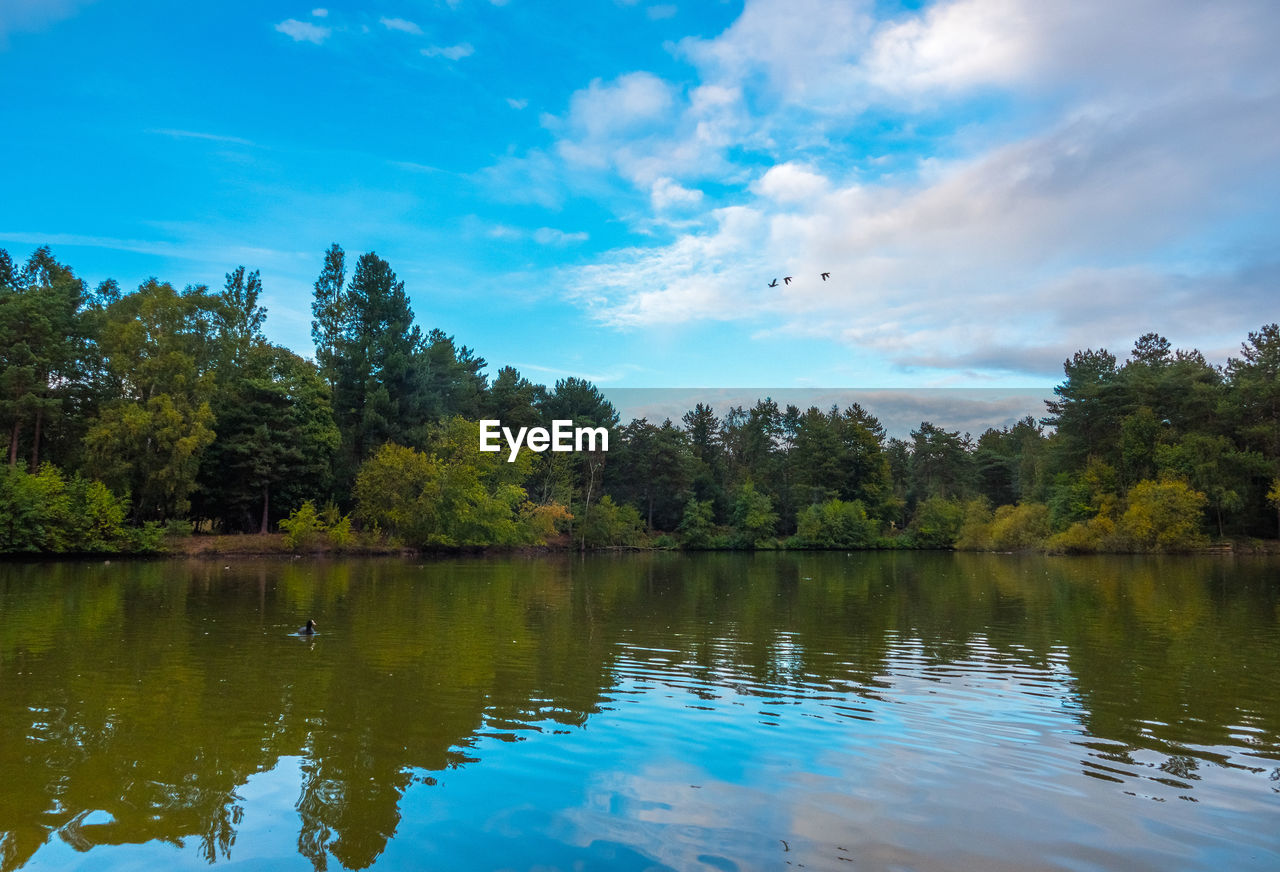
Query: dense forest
[134, 417]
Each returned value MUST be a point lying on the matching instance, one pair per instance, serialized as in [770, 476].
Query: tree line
[129, 415]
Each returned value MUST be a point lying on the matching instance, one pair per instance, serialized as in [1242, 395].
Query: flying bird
[773, 284]
[786, 279]
[826, 276]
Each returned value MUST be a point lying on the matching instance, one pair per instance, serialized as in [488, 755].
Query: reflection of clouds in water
[264, 809]
[674, 813]
[963, 748]
[977, 753]
[969, 410]
[933, 711]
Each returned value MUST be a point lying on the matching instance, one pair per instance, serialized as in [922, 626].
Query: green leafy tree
[652, 468]
[755, 522]
[1140, 436]
[940, 463]
[42, 340]
[452, 379]
[1163, 516]
[275, 444]
[708, 476]
[1083, 495]
[369, 351]
[975, 528]
[1179, 387]
[898, 454]
[1020, 527]
[1273, 496]
[815, 455]
[1009, 462]
[1215, 467]
[329, 327]
[579, 401]
[836, 524]
[697, 525]
[513, 400]
[1087, 410]
[47, 512]
[159, 348]
[865, 471]
[937, 522]
[1252, 401]
[239, 318]
[455, 495]
[609, 525]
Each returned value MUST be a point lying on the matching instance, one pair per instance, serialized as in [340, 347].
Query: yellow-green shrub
[1163, 516]
[1025, 525]
[975, 529]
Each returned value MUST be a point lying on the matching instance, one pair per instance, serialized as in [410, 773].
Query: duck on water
[309, 629]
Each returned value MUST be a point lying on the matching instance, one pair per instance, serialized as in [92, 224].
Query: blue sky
[605, 189]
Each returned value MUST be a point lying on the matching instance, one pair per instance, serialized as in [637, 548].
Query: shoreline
[257, 545]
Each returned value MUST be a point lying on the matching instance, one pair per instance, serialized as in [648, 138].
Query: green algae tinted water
[717, 712]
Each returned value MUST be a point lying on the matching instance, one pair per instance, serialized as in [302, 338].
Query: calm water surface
[867, 711]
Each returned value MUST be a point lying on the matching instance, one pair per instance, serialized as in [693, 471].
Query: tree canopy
[166, 405]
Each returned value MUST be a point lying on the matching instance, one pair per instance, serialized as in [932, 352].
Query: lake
[910, 711]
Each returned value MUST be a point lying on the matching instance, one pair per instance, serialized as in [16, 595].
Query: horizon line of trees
[131, 413]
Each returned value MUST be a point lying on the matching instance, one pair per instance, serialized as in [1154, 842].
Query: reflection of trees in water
[151, 712]
[150, 693]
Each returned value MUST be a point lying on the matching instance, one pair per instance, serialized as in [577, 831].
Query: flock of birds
[787, 279]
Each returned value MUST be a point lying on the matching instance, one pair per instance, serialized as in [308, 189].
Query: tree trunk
[586, 508]
[265, 503]
[35, 442]
[13, 443]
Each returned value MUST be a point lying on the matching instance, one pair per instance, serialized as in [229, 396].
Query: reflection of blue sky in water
[265, 837]
[935, 770]
[718, 712]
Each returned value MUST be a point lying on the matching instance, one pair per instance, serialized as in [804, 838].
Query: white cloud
[303, 31]
[1128, 184]
[644, 129]
[972, 267]
[967, 269]
[552, 236]
[1129, 48]
[320, 13]
[504, 231]
[629, 101]
[517, 104]
[661, 11]
[193, 249]
[401, 24]
[669, 194]
[452, 52]
[699, 276]
[790, 183]
[414, 167]
[532, 178]
[192, 134]
[957, 45]
[542, 236]
[795, 49]
[1136, 194]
